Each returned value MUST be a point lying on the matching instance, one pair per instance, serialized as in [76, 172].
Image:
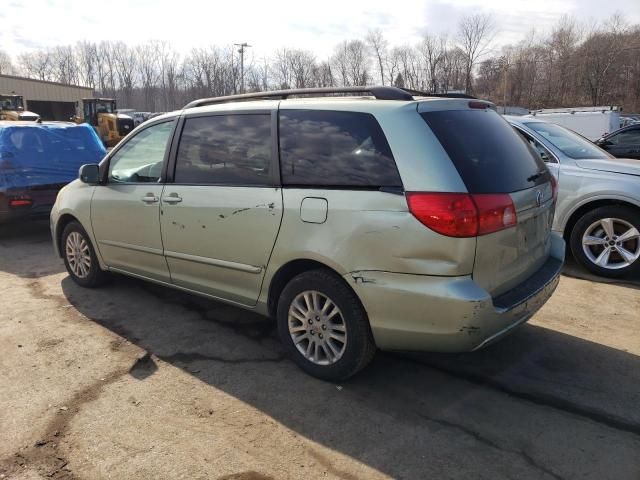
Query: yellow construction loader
[12, 108]
[101, 113]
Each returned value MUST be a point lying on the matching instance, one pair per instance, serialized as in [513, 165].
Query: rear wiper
[536, 176]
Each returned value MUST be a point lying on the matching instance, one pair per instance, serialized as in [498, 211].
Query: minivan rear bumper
[450, 314]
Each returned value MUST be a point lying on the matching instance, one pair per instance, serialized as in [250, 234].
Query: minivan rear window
[488, 153]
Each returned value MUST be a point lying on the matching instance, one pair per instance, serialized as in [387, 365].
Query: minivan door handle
[150, 198]
[172, 198]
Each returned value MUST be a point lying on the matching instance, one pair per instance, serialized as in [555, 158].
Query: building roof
[27, 79]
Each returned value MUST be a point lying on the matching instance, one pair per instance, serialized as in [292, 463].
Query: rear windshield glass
[571, 144]
[488, 153]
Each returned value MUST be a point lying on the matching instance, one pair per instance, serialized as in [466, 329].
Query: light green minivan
[389, 220]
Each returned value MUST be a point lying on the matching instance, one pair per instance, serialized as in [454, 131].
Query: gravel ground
[139, 381]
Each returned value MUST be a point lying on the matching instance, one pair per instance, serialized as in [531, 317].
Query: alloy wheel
[317, 327]
[78, 254]
[611, 243]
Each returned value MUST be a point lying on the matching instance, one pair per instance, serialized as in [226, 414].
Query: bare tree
[324, 75]
[106, 69]
[6, 65]
[64, 65]
[433, 50]
[168, 65]
[570, 66]
[87, 60]
[302, 63]
[599, 55]
[475, 34]
[559, 50]
[352, 62]
[125, 63]
[36, 64]
[282, 70]
[378, 45]
[148, 57]
[406, 60]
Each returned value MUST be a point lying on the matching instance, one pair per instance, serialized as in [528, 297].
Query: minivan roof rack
[379, 92]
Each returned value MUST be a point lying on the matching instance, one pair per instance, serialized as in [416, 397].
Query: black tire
[359, 348]
[95, 276]
[628, 215]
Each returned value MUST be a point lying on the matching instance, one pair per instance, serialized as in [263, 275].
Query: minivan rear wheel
[606, 241]
[323, 326]
[80, 257]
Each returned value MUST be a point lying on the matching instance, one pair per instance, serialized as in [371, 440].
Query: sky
[26, 25]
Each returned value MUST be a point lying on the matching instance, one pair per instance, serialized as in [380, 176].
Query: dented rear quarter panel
[366, 230]
[444, 314]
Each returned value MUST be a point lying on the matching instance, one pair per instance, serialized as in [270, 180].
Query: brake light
[479, 105]
[554, 187]
[495, 212]
[451, 214]
[461, 214]
[20, 202]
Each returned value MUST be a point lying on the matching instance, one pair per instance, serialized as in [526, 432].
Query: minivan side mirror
[90, 173]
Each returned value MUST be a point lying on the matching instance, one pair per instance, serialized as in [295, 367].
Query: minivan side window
[335, 149]
[140, 159]
[230, 149]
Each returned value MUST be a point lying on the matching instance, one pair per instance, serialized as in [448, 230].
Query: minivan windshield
[570, 143]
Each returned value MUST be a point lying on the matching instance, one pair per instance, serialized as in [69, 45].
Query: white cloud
[25, 25]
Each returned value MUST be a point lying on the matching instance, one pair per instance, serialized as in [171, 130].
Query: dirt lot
[138, 381]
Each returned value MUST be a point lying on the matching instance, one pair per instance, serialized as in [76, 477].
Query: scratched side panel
[217, 240]
[367, 230]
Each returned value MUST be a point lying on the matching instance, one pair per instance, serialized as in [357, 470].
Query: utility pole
[241, 52]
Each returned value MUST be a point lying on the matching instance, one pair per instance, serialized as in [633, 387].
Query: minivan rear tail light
[495, 212]
[451, 214]
[461, 214]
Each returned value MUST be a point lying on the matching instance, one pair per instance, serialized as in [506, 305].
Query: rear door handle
[172, 198]
[150, 198]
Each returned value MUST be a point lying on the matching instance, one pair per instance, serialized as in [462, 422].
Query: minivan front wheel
[80, 258]
[323, 326]
[607, 241]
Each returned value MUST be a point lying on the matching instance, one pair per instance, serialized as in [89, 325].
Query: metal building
[51, 100]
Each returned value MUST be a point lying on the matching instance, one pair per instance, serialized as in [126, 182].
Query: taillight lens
[20, 202]
[495, 212]
[478, 104]
[461, 214]
[451, 214]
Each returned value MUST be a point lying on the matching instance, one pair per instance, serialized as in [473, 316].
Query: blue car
[37, 160]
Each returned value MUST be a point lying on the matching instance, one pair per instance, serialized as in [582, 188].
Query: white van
[590, 122]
